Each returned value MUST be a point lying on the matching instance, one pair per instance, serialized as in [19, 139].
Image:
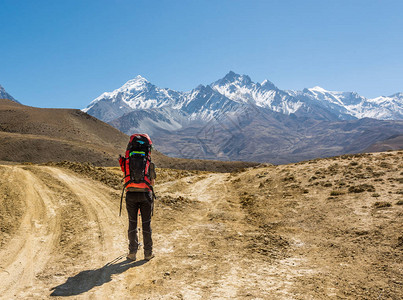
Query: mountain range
[235, 118]
[234, 91]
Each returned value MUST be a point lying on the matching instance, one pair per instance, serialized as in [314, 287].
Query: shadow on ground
[86, 280]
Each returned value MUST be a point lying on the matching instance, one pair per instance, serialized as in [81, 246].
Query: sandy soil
[310, 230]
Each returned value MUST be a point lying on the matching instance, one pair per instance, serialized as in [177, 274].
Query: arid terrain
[322, 229]
[40, 135]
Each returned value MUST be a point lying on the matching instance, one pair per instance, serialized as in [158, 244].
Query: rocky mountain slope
[5, 95]
[235, 118]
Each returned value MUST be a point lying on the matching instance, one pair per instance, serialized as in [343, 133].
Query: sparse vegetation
[347, 224]
[336, 193]
[174, 201]
[381, 204]
[361, 188]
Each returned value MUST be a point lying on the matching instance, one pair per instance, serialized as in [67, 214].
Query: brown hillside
[38, 135]
[393, 143]
[42, 134]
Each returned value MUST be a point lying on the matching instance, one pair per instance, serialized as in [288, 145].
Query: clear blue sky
[66, 53]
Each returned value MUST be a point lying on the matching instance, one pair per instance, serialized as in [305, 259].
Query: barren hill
[38, 135]
[320, 229]
[393, 143]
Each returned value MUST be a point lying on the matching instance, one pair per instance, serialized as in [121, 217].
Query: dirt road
[69, 225]
[65, 239]
[288, 232]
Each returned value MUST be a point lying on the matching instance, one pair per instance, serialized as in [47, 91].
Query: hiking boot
[148, 256]
[131, 256]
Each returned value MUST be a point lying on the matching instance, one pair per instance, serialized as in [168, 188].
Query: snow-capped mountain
[233, 92]
[350, 103]
[151, 120]
[5, 95]
[205, 103]
[241, 88]
[238, 119]
[386, 108]
[136, 94]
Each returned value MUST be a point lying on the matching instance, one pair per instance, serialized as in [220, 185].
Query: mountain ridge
[139, 93]
[234, 118]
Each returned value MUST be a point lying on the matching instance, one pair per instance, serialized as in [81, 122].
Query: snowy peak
[339, 98]
[137, 93]
[318, 89]
[268, 85]
[241, 89]
[233, 79]
[233, 91]
[5, 95]
[136, 83]
[351, 103]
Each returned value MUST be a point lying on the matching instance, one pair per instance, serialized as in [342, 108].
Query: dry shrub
[289, 178]
[361, 188]
[172, 201]
[247, 201]
[384, 165]
[380, 204]
[378, 174]
[336, 193]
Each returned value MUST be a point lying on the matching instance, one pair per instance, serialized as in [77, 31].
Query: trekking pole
[139, 244]
[121, 200]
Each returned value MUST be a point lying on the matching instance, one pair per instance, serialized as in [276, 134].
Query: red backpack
[136, 165]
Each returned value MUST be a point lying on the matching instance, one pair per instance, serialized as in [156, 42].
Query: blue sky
[66, 53]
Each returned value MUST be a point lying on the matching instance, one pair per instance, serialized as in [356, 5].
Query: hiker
[139, 178]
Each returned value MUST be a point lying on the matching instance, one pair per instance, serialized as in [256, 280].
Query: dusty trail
[71, 242]
[203, 249]
[70, 224]
[29, 249]
[299, 231]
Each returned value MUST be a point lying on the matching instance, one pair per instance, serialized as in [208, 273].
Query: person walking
[139, 178]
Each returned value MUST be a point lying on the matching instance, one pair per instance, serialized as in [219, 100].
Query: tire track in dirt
[70, 227]
[28, 251]
[95, 197]
[110, 234]
[11, 205]
[201, 246]
[201, 251]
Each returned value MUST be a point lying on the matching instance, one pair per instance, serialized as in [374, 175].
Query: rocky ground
[327, 228]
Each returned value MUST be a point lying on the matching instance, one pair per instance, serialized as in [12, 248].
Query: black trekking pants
[142, 201]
